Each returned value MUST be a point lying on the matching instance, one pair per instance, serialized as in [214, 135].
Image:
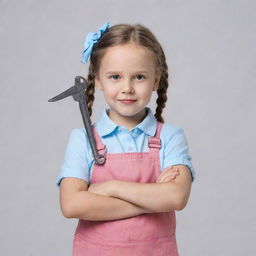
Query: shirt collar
[106, 126]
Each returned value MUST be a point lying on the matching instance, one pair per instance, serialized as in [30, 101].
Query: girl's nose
[127, 86]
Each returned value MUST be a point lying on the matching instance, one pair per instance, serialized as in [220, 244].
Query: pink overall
[149, 234]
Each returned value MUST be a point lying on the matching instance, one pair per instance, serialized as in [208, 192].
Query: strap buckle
[155, 143]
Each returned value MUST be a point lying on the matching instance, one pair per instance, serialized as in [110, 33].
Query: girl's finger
[170, 174]
[167, 177]
[167, 173]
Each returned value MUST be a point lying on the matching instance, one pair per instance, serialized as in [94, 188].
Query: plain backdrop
[210, 51]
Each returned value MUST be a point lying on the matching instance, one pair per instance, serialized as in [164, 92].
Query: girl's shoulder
[79, 138]
[79, 134]
[170, 131]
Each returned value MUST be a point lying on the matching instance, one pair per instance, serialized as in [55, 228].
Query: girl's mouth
[127, 101]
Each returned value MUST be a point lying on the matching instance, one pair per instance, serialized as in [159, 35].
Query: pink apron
[149, 234]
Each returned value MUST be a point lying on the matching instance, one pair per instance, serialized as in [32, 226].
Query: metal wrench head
[79, 87]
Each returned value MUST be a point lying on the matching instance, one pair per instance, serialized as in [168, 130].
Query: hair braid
[89, 93]
[162, 93]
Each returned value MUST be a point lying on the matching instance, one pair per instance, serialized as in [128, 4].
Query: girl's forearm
[156, 197]
[95, 207]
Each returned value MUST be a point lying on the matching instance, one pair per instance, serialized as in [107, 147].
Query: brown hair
[121, 34]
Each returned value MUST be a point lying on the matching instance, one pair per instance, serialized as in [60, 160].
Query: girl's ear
[157, 80]
[98, 83]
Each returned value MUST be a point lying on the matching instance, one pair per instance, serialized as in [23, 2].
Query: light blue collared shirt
[78, 160]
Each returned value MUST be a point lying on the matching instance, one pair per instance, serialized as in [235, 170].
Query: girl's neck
[128, 122]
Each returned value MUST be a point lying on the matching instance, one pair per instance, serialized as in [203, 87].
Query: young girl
[126, 206]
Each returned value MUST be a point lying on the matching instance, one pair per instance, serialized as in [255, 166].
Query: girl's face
[127, 72]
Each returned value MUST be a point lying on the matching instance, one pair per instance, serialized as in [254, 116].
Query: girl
[126, 206]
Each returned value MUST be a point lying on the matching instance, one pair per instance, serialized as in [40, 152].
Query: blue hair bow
[91, 39]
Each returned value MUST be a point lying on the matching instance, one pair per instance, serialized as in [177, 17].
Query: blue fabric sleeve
[177, 152]
[75, 162]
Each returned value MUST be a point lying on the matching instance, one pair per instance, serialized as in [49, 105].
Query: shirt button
[130, 148]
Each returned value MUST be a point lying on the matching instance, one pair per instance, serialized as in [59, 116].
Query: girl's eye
[115, 77]
[140, 77]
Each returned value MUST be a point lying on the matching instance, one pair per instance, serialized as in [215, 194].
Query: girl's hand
[168, 174]
[101, 188]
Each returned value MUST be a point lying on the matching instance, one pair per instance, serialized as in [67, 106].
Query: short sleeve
[75, 162]
[177, 151]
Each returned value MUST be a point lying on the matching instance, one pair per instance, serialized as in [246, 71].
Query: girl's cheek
[112, 93]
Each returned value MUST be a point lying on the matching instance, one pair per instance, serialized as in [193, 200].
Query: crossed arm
[118, 199]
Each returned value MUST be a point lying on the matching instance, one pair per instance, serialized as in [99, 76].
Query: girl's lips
[127, 101]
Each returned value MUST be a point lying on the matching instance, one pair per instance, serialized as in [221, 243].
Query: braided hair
[121, 34]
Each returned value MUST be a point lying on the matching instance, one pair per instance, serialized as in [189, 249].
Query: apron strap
[100, 146]
[155, 142]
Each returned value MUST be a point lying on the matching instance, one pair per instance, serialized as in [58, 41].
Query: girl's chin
[127, 113]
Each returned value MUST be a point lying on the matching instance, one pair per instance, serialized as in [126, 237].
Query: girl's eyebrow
[116, 71]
